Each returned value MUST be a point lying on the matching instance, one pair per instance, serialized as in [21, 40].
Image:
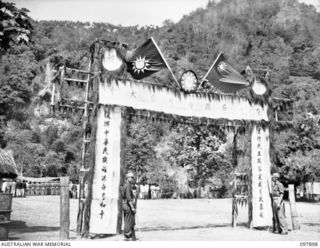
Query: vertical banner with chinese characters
[106, 179]
[260, 162]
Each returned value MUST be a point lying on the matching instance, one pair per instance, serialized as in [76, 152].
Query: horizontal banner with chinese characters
[162, 99]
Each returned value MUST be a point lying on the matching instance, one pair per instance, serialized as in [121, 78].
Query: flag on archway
[145, 60]
[224, 77]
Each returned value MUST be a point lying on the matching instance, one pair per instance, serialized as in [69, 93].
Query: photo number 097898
[308, 243]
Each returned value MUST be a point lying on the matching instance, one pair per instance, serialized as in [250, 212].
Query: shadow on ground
[18, 227]
[167, 228]
[311, 224]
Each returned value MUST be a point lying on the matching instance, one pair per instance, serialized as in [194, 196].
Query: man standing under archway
[278, 205]
[129, 209]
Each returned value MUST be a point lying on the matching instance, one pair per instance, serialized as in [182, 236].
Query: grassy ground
[37, 218]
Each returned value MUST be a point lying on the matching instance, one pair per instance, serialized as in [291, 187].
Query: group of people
[17, 188]
[130, 195]
[48, 188]
[23, 188]
[149, 191]
[74, 190]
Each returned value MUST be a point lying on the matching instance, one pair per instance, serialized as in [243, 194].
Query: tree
[197, 149]
[140, 147]
[295, 148]
[15, 25]
[18, 69]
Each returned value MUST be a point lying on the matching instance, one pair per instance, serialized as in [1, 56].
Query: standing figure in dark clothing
[18, 188]
[129, 209]
[278, 205]
[23, 188]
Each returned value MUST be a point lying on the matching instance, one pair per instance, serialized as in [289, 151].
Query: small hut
[8, 168]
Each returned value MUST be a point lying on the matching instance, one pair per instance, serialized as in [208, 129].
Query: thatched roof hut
[8, 168]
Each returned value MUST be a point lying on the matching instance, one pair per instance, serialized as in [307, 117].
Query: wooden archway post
[123, 132]
[64, 208]
[293, 208]
[250, 184]
[101, 212]
[85, 211]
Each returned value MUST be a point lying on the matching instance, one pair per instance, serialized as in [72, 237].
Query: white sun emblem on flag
[222, 67]
[140, 64]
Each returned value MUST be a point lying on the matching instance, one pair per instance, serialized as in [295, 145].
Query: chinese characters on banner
[260, 162]
[106, 179]
[147, 97]
[104, 162]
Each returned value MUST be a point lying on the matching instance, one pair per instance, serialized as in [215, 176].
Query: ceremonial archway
[115, 97]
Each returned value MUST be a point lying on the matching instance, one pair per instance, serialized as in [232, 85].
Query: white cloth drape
[260, 162]
[107, 224]
[144, 96]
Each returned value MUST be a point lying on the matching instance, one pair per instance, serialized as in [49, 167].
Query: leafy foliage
[140, 147]
[15, 25]
[197, 149]
[280, 36]
[18, 69]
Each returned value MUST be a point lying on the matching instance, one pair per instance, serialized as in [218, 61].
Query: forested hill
[282, 36]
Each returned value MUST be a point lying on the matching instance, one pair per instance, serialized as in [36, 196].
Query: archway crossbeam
[165, 100]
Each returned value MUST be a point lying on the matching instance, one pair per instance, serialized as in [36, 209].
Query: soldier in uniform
[280, 225]
[129, 207]
[52, 189]
[38, 189]
[57, 187]
[43, 189]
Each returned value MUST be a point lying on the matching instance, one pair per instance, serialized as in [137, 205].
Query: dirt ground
[37, 218]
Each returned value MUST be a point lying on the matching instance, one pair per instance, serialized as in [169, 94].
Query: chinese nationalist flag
[224, 77]
[145, 60]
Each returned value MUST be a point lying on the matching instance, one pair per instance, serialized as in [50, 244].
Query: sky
[124, 12]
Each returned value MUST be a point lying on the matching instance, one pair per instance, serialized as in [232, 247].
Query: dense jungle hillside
[281, 36]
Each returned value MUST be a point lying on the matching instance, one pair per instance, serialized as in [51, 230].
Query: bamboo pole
[64, 208]
[87, 204]
[235, 147]
[124, 113]
[293, 208]
[92, 145]
[166, 63]
[49, 81]
[60, 92]
[235, 162]
[250, 183]
[53, 93]
[234, 212]
[234, 203]
[84, 149]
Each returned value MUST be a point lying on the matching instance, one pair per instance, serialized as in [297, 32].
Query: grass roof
[8, 168]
